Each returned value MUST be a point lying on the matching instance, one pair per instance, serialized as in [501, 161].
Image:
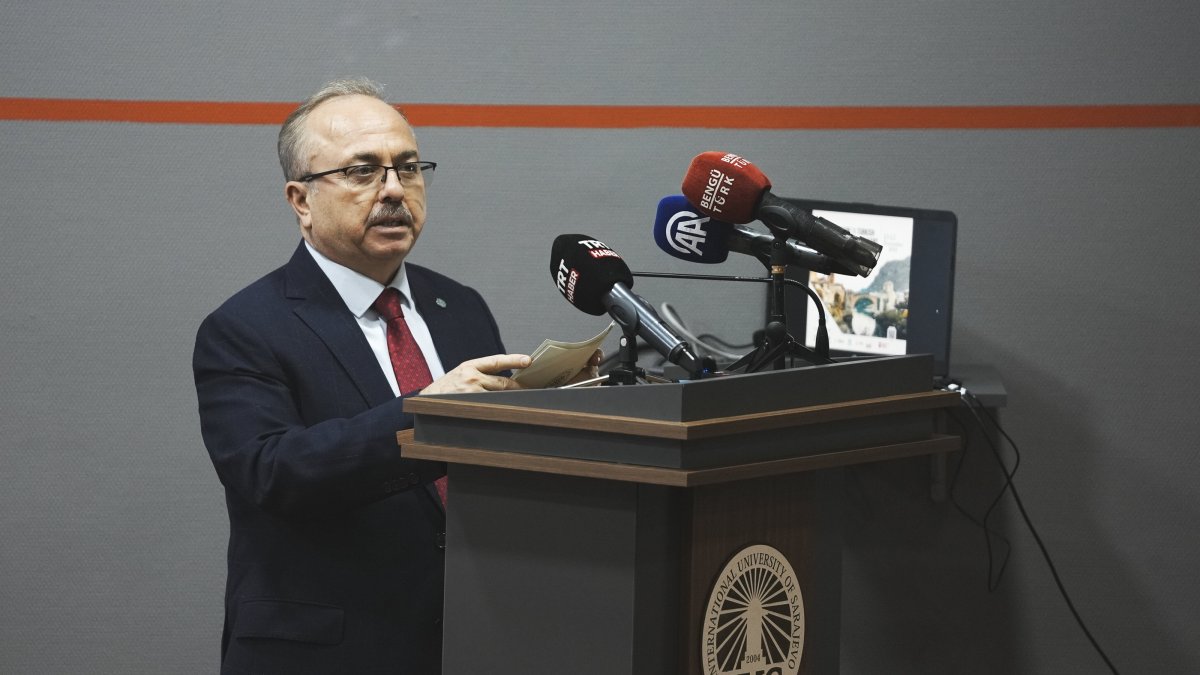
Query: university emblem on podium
[754, 620]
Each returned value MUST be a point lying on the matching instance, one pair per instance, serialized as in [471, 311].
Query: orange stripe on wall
[629, 117]
[149, 112]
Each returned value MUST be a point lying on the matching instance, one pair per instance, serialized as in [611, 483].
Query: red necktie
[412, 373]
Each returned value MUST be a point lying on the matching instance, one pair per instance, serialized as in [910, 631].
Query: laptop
[904, 306]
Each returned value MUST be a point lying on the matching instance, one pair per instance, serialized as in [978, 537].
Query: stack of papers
[556, 362]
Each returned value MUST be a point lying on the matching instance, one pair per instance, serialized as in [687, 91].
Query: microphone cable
[673, 319]
[989, 534]
[980, 413]
[822, 346]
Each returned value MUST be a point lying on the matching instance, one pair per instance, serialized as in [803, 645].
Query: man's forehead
[352, 123]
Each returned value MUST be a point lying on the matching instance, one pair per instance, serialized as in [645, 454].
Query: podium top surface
[791, 420]
[719, 397]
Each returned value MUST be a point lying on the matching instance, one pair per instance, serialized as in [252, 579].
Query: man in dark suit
[336, 541]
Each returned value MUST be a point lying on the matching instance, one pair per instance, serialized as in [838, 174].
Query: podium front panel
[545, 574]
[548, 573]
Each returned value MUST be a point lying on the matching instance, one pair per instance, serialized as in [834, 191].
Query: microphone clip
[627, 370]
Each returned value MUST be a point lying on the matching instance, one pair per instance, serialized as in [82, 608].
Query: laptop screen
[904, 306]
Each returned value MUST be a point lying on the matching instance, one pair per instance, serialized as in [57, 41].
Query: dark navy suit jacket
[335, 542]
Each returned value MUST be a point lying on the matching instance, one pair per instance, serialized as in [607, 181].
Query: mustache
[384, 213]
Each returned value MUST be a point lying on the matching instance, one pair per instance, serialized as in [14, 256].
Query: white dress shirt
[359, 293]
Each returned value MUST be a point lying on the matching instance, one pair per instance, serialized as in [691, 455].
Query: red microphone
[729, 187]
[725, 186]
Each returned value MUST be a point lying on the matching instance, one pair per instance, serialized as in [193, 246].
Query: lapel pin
[440, 303]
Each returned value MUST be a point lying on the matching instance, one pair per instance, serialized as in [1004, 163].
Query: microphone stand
[627, 372]
[777, 342]
[776, 330]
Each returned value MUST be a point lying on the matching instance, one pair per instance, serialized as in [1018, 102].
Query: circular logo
[685, 233]
[754, 620]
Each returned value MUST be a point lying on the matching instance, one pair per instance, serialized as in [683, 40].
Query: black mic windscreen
[585, 269]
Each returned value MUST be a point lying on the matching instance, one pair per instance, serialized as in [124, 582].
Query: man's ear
[297, 195]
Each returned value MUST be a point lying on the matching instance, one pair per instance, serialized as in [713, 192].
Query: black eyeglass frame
[421, 168]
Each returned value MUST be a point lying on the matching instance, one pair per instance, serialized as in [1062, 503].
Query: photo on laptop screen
[867, 315]
[904, 306]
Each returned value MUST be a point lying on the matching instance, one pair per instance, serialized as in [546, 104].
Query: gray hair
[293, 140]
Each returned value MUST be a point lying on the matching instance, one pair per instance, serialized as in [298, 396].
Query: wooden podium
[667, 528]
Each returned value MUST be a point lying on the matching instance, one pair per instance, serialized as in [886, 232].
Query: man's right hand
[479, 375]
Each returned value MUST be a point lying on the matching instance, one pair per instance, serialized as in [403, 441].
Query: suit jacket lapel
[447, 335]
[322, 309]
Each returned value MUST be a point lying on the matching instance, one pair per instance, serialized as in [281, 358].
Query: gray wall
[1075, 280]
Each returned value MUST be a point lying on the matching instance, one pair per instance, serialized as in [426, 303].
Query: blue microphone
[682, 231]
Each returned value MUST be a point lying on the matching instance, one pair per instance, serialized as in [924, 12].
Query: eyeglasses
[362, 176]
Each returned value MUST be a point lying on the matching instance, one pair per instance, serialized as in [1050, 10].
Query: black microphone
[681, 231]
[591, 276]
[724, 185]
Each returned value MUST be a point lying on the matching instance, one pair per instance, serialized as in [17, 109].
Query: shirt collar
[359, 291]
